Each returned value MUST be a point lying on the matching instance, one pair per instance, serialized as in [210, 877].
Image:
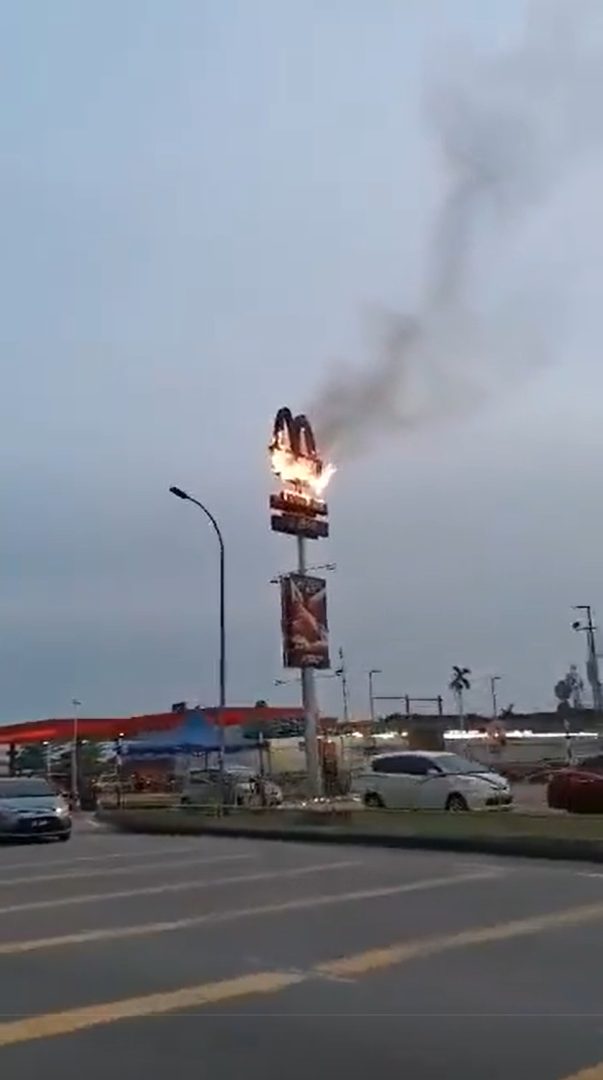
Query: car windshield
[25, 789]
[454, 763]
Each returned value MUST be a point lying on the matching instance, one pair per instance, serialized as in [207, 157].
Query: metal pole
[310, 703]
[74, 755]
[593, 661]
[222, 662]
[180, 494]
[493, 681]
[344, 687]
[371, 673]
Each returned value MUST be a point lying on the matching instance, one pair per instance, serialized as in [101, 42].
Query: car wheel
[64, 837]
[374, 800]
[456, 804]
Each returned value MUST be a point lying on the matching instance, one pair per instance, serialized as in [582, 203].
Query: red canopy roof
[61, 729]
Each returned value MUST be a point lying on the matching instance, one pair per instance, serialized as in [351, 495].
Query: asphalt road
[155, 957]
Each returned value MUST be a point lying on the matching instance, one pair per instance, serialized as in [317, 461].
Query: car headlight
[62, 810]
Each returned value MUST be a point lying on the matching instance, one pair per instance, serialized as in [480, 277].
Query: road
[149, 957]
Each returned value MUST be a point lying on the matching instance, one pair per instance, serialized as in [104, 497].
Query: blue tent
[194, 736]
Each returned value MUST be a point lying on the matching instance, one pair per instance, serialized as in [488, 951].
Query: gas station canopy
[105, 728]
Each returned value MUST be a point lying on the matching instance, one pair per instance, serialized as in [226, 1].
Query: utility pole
[371, 674]
[494, 679]
[342, 672]
[587, 626]
[75, 787]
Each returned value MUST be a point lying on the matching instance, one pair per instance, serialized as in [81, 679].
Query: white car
[202, 787]
[434, 780]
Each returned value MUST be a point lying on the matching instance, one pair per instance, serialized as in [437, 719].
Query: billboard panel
[304, 622]
[296, 525]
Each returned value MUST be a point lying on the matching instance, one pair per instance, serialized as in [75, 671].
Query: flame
[305, 474]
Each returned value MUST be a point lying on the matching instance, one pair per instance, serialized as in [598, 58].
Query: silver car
[244, 787]
[31, 809]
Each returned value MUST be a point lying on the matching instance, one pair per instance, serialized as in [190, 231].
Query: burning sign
[294, 457]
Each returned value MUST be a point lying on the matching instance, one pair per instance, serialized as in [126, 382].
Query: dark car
[31, 809]
[578, 788]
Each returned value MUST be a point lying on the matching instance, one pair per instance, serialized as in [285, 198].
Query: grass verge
[541, 836]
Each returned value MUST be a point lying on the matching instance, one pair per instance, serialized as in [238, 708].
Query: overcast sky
[200, 199]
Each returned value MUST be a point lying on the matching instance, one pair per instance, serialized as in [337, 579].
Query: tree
[31, 759]
[89, 756]
[458, 684]
[568, 690]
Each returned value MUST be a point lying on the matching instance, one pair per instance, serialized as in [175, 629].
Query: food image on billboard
[304, 622]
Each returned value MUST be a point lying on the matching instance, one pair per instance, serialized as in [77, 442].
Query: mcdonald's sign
[296, 462]
[294, 433]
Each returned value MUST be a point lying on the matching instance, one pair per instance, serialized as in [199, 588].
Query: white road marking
[304, 903]
[106, 857]
[172, 887]
[112, 871]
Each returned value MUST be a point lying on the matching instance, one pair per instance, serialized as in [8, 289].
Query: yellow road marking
[193, 997]
[83, 937]
[112, 871]
[173, 887]
[595, 1072]
[400, 953]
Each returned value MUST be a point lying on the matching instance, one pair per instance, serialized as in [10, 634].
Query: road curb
[535, 847]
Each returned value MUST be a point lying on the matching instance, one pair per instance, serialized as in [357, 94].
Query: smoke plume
[508, 126]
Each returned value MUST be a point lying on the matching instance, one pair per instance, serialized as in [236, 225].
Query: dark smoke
[508, 125]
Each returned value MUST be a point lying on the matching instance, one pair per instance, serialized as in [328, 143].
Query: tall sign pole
[309, 701]
[298, 509]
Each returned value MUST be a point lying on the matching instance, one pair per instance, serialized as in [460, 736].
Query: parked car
[418, 780]
[578, 788]
[244, 787]
[30, 808]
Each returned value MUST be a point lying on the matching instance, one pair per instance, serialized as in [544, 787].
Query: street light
[371, 674]
[46, 745]
[494, 679]
[180, 494]
[74, 756]
[592, 660]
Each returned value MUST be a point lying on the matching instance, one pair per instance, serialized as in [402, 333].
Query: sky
[201, 202]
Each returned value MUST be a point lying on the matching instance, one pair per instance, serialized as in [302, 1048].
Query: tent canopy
[196, 735]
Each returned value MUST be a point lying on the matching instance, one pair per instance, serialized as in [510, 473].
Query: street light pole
[74, 754]
[592, 659]
[371, 674]
[494, 679]
[342, 672]
[180, 494]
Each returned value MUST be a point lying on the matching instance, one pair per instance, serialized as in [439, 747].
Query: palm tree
[458, 684]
